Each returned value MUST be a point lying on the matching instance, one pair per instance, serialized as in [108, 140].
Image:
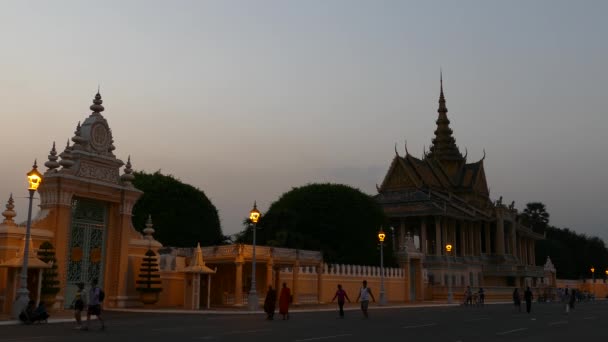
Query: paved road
[548, 322]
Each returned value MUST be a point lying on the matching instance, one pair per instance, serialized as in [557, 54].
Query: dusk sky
[247, 99]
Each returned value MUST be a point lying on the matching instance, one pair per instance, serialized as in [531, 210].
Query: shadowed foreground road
[548, 322]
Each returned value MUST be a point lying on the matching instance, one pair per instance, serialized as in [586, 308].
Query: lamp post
[34, 178]
[252, 300]
[381, 237]
[448, 249]
[592, 280]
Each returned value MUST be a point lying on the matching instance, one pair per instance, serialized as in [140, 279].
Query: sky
[248, 99]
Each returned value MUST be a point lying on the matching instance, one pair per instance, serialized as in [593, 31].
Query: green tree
[340, 221]
[183, 215]
[536, 217]
[49, 284]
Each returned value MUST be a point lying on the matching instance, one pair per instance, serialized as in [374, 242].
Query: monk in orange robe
[284, 300]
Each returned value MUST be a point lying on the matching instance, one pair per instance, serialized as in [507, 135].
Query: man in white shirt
[94, 307]
[364, 295]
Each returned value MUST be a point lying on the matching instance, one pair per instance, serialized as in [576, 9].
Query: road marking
[419, 326]
[477, 319]
[558, 322]
[511, 331]
[245, 332]
[322, 337]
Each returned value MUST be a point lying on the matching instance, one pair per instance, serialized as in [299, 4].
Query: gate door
[86, 253]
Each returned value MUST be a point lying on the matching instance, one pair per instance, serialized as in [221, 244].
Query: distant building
[441, 199]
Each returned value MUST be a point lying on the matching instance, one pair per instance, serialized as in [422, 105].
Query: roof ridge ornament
[9, 213]
[66, 156]
[52, 163]
[128, 176]
[96, 107]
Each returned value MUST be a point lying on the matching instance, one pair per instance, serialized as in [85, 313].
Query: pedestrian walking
[341, 295]
[270, 303]
[96, 296]
[78, 305]
[284, 301]
[528, 298]
[482, 296]
[571, 301]
[516, 299]
[468, 296]
[364, 294]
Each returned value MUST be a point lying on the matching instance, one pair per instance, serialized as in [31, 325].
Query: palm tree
[536, 217]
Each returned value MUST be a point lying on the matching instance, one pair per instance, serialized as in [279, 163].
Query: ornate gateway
[86, 253]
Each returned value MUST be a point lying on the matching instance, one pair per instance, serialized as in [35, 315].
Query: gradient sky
[247, 99]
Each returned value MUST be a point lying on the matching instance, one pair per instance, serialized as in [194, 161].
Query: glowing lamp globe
[34, 178]
[448, 248]
[381, 235]
[254, 214]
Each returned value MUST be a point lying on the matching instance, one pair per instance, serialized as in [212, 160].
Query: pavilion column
[438, 235]
[295, 279]
[238, 286]
[462, 250]
[423, 235]
[514, 239]
[444, 234]
[452, 225]
[533, 248]
[500, 235]
[471, 232]
[488, 242]
[478, 237]
[402, 232]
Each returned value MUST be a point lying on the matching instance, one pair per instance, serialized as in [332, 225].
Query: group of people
[92, 302]
[286, 298]
[34, 314]
[470, 298]
[528, 296]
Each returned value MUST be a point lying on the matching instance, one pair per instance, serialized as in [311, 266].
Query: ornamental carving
[105, 174]
[100, 139]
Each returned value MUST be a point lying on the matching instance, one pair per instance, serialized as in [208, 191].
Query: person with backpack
[78, 305]
[96, 297]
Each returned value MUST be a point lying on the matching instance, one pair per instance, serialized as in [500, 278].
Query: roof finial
[406, 151]
[52, 164]
[9, 213]
[128, 176]
[396, 153]
[149, 230]
[66, 156]
[96, 107]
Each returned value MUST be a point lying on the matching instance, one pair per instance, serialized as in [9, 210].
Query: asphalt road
[548, 322]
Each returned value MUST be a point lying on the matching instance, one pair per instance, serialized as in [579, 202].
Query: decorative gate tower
[87, 205]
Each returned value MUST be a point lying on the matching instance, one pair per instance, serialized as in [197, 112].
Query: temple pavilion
[441, 199]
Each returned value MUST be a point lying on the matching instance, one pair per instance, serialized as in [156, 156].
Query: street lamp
[34, 178]
[381, 237]
[593, 273]
[252, 300]
[448, 249]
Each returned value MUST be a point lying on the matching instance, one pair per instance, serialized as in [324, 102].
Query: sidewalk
[66, 316]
